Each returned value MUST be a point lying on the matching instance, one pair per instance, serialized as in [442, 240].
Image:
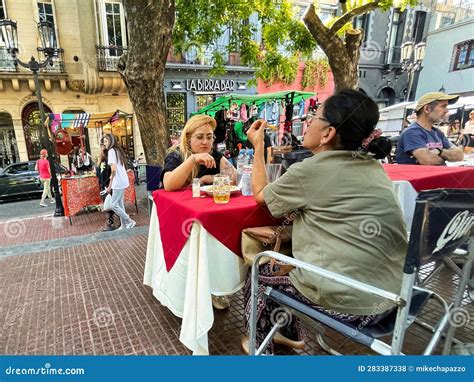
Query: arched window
[387, 95]
[35, 134]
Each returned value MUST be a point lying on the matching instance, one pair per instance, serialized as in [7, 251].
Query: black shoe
[108, 228]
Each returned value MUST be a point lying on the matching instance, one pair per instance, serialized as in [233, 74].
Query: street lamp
[46, 31]
[411, 58]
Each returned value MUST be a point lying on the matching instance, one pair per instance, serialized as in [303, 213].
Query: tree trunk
[150, 25]
[343, 56]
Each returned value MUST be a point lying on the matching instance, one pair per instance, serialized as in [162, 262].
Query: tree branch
[353, 39]
[348, 16]
[315, 25]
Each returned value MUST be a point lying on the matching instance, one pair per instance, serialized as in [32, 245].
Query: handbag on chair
[259, 239]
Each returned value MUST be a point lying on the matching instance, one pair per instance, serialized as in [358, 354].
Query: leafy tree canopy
[275, 48]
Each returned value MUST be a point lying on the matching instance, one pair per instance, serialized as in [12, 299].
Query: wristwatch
[440, 151]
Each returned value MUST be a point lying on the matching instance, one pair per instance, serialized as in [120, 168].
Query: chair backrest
[442, 221]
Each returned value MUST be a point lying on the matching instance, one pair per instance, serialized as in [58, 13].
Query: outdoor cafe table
[408, 180]
[194, 245]
[194, 252]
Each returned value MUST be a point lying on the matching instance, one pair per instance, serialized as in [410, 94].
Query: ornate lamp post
[46, 32]
[411, 58]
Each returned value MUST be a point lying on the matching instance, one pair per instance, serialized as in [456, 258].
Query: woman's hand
[205, 159]
[207, 179]
[256, 132]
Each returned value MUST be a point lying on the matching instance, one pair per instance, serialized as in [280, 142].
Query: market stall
[74, 131]
[235, 112]
[81, 191]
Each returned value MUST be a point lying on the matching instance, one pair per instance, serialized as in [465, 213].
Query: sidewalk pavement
[72, 290]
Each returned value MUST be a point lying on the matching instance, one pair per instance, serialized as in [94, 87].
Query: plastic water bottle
[250, 156]
[240, 164]
[247, 181]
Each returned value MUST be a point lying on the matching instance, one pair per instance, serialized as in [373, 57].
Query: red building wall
[321, 94]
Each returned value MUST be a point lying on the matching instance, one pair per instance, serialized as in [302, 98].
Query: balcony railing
[108, 57]
[57, 66]
[196, 56]
[6, 61]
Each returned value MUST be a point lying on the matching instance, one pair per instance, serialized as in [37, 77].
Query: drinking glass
[273, 171]
[221, 189]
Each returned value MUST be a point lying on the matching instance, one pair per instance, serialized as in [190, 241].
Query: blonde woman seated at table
[194, 157]
[347, 217]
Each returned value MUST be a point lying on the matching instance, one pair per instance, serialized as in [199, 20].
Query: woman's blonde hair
[184, 146]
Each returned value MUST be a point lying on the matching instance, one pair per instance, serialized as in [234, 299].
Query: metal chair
[442, 222]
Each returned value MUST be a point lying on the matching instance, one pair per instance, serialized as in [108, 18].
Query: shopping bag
[108, 203]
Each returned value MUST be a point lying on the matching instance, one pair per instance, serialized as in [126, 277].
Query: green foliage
[275, 67]
[315, 73]
[253, 26]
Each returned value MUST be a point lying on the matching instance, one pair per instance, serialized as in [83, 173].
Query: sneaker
[43, 204]
[52, 201]
[131, 224]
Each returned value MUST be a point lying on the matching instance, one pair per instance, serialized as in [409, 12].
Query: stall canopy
[258, 99]
[82, 120]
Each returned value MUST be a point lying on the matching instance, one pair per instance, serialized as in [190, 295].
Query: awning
[258, 99]
[82, 120]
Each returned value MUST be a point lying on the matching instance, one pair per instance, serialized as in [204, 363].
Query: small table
[194, 252]
[81, 191]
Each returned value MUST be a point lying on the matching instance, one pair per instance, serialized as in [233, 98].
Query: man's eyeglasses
[310, 116]
[202, 137]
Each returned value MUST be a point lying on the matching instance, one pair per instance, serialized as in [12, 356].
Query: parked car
[21, 180]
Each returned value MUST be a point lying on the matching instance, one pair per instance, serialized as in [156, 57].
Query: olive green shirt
[346, 220]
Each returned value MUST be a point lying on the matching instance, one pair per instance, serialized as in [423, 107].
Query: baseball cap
[435, 96]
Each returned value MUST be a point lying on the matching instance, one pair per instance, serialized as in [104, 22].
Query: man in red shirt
[42, 166]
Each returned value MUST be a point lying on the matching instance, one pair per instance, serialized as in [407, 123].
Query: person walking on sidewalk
[103, 172]
[42, 166]
[118, 180]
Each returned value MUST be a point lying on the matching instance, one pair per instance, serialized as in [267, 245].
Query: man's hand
[204, 159]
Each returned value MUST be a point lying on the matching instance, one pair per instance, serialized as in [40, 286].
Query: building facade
[380, 72]
[91, 35]
[449, 60]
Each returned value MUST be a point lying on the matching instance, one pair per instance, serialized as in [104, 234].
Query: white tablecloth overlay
[204, 267]
[406, 195]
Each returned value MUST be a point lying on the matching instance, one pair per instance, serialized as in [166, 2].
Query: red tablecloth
[178, 210]
[79, 193]
[431, 177]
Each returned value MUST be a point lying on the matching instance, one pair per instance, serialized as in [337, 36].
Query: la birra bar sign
[210, 85]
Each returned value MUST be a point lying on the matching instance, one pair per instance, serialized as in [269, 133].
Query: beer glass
[221, 189]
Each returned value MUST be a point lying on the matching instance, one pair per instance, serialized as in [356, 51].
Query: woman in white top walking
[118, 180]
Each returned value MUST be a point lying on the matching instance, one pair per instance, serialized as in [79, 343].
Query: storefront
[189, 90]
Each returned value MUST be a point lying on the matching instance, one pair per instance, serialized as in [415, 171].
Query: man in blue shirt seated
[421, 143]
